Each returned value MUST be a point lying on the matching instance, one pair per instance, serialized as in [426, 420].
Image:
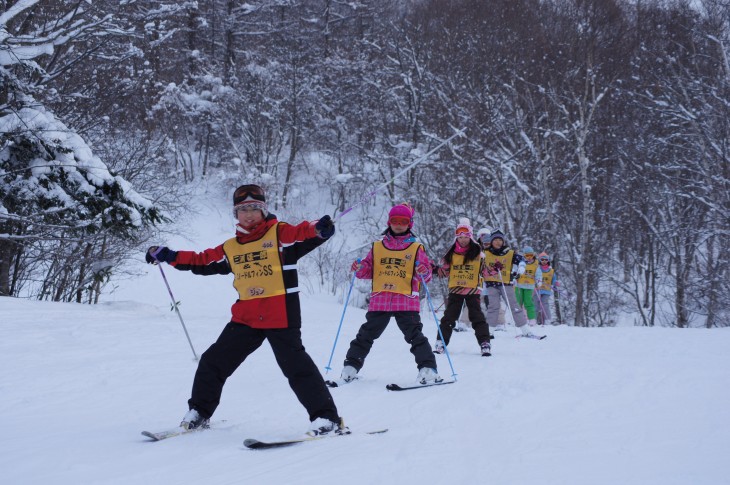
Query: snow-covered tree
[61, 209]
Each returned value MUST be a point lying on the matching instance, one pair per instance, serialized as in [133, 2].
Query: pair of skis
[536, 337]
[250, 443]
[391, 387]
[255, 444]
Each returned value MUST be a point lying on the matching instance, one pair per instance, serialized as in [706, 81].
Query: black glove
[160, 254]
[325, 227]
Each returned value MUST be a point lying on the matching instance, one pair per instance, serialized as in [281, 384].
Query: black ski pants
[408, 322]
[478, 321]
[238, 341]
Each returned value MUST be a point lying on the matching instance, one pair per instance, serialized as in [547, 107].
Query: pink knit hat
[464, 229]
[402, 210]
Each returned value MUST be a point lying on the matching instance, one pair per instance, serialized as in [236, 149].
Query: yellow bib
[256, 266]
[547, 278]
[393, 270]
[506, 262]
[528, 277]
[465, 275]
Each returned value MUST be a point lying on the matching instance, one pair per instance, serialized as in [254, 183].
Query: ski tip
[250, 443]
[393, 387]
[332, 384]
[150, 435]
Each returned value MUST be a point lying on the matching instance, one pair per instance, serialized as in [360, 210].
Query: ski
[536, 337]
[172, 432]
[407, 387]
[263, 445]
[169, 433]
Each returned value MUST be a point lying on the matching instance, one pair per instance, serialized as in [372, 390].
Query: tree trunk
[6, 252]
[82, 273]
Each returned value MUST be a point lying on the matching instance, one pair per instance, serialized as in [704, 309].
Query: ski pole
[439, 308]
[370, 194]
[342, 318]
[438, 327]
[174, 305]
[542, 307]
[506, 300]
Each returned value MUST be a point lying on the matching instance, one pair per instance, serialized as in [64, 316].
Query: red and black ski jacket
[281, 311]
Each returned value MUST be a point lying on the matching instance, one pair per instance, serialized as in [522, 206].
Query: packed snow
[624, 405]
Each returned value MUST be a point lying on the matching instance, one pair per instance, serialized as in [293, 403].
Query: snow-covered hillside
[584, 406]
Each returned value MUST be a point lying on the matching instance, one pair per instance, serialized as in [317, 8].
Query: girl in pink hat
[463, 264]
[396, 264]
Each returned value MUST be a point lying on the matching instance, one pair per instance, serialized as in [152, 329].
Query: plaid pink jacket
[385, 301]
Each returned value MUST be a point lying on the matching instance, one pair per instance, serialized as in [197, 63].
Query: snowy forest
[596, 130]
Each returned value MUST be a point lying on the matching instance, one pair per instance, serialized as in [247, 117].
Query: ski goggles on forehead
[462, 231]
[545, 260]
[244, 192]
[399, 221]
[530, 255]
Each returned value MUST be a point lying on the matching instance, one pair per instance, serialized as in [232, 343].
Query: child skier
[396, 265]
[500, 260]
[263, 257]
[463, 264]
[483, 238]
[525, 286]
[546, 282]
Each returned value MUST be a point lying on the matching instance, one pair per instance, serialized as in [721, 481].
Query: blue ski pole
[337, 336]
[435, 319]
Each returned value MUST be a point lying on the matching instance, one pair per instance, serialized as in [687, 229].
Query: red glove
[355, 265]
[443, 272]
[422, 269]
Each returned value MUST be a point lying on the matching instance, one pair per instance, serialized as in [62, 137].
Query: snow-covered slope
[598, 406]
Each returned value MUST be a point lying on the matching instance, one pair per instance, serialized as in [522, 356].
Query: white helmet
[484, 231]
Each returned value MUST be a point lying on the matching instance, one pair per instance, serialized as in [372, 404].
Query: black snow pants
[478, 321]
[408, 322]
[238, 341]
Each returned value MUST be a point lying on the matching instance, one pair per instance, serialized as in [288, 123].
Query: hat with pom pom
[464, 228]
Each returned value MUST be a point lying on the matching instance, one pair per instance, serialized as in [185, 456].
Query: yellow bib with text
[256, 266]
[464, 274]
[547, 278]
[528, 277]
[505, 261]
[393, 270]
